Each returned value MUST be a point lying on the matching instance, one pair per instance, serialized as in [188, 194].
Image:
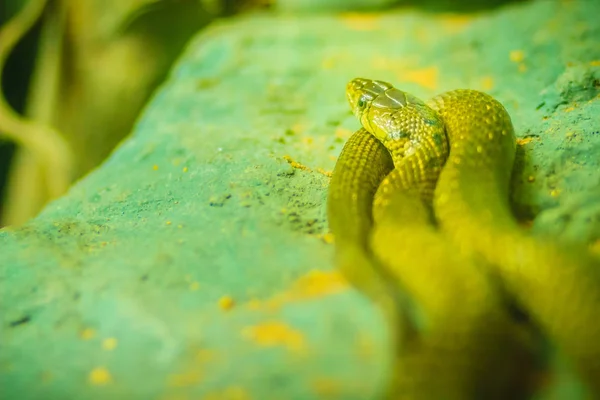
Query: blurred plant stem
[97, 63]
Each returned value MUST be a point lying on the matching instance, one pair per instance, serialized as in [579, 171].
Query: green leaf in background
[96, 65]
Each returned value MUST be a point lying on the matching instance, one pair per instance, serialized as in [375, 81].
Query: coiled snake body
[419, 206]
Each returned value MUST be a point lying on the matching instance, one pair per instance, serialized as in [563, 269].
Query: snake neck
[474, 185]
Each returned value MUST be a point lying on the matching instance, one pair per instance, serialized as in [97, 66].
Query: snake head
[361, 93]
[394, 117]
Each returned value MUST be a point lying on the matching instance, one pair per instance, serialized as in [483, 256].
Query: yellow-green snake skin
[419, 206]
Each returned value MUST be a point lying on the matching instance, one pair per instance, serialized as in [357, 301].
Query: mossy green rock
[192, 264]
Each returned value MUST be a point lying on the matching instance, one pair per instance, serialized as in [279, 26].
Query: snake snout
[356, 95]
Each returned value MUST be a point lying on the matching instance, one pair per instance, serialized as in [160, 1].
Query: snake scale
[419, 207]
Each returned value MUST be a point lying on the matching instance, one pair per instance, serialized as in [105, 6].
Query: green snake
[419, 205]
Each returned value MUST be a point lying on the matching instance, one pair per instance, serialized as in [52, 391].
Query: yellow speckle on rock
[454, 23]
[328, 174]
[426, 77]
[272, 334]
[109, 344]
[168, 222]
[360, 21]
[516, 56]
[295, 164]
[99, 376]
[87, 334]
[226, 303]
[554, 193]
[312, 285]
[194, 286]
[524, 141]
[155, 167]
[328, 238]
[185, 169]
[487, 83]
[183, 379]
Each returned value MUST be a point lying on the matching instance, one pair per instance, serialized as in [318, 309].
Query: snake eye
[361, 102]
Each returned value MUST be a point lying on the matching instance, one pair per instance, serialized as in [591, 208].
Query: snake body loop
[558, 286]
[465, 330]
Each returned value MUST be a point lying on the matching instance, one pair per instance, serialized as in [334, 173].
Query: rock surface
[194, 263]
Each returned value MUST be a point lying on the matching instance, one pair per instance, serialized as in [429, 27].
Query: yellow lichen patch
[328, 238]
[155, 167]
[426, 77]
[183, 379]
[312, 285]
[272, 334]
[595, 63]
[516, 56]
[360, 21]
[185, 169]
[555, 193]
[571, 108]
[524, 141]
[295, 164]
[87, 334]
[317, 283]
[487, 83]
[99, 376]
[570, 135]
[454, 23]
[326, 388]
[323, 172]
[226, 303]
[109, 344]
